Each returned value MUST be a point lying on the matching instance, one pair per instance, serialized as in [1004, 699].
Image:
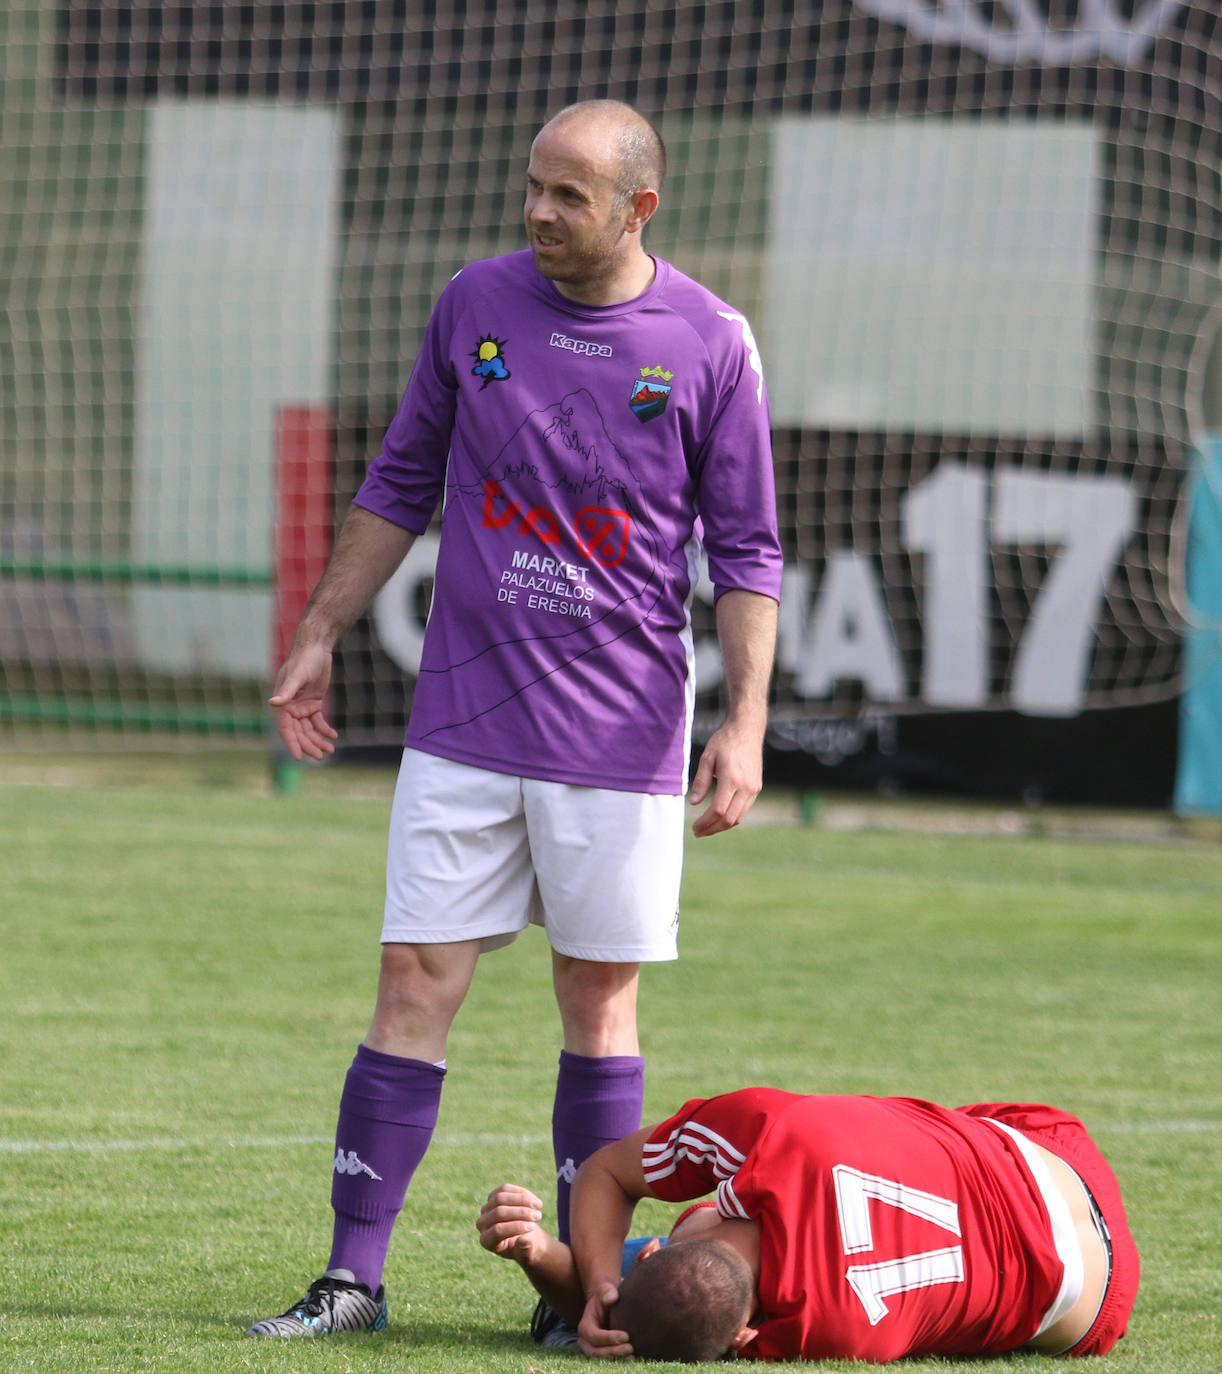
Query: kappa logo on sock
[567, 1172]
[350, 1164]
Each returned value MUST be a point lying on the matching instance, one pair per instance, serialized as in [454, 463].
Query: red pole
[305, 503]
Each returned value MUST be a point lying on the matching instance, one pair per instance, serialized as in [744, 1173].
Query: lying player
[844, 1227]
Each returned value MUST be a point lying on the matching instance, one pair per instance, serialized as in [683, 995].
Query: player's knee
[423, 981]
[597, 1003]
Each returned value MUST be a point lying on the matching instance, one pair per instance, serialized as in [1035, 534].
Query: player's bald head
[622, 134]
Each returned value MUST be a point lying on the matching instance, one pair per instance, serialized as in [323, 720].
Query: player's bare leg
[600, 1085]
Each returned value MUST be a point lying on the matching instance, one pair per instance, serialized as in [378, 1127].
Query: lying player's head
[687, 1302]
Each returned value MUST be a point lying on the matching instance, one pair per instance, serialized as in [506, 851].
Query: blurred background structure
[979, 244]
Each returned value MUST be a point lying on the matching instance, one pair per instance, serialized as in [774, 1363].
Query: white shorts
[476, 855]
[1064, 1232]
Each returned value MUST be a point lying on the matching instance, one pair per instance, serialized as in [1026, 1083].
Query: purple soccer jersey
[577, 446]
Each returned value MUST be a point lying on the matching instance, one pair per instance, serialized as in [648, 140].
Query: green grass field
[187, 966]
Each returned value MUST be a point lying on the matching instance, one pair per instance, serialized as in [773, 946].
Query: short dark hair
[685, 1303]
[642, 153]
[642, 160]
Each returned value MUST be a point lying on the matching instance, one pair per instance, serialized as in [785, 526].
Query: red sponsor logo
[602, 534]
[601, 531]
[500, 511]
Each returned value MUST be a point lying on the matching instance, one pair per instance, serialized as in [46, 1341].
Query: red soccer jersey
[889, 1227]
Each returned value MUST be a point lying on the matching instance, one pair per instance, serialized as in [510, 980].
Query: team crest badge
[489, 355]
[650, 393]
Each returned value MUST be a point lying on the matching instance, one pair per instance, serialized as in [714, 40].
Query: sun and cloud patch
[489, 355]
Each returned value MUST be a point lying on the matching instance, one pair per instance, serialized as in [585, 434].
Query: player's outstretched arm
[508, 1226]
[366, 553]
[731, 768]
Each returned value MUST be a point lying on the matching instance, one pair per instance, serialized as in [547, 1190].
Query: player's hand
[508, 1224]
[594, 1338]
[731, 768]
[299, 698]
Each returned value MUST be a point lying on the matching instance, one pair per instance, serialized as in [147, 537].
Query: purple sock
[386, 1118]
[597, 1101]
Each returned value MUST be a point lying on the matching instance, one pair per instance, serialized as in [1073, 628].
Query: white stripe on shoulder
[693, 1142]
[695, 1131]
[727, 1201]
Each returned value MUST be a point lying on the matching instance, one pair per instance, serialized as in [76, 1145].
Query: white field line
[457, 1140]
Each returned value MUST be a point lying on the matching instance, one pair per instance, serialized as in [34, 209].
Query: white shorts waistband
[1064, 1232]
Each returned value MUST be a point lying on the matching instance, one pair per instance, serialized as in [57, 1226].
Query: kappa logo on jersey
[489, 358]
[753, 350]
[650, 393]
[580, 346]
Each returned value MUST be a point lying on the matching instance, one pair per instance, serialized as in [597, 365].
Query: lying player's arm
[508, 1226]
[605, 1193]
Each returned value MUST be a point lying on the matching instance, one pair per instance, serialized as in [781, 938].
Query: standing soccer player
[576, 408]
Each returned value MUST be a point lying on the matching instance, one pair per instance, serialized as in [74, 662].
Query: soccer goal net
[979, 244]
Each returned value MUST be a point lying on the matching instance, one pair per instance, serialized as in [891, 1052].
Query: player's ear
[640, 210]
[651, 1247]
[745, 1335]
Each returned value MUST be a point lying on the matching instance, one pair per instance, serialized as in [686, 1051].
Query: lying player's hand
[508, 1223]
[593, 1336]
